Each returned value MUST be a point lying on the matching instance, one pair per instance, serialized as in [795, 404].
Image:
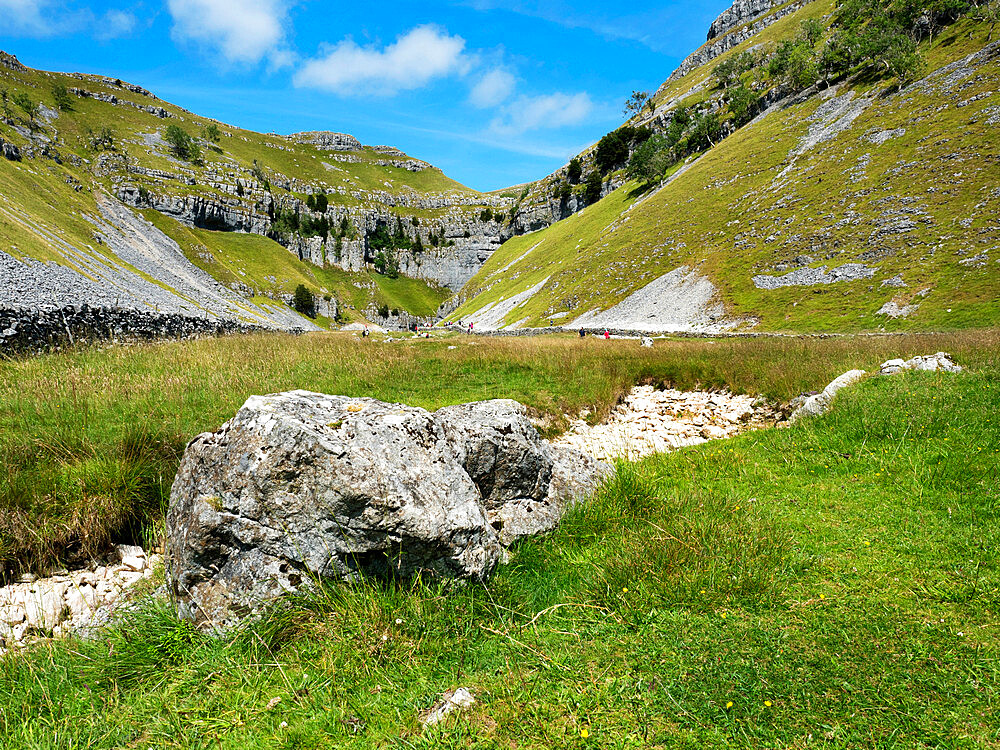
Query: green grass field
[832, 584]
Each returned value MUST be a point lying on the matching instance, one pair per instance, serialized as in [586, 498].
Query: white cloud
[26, 18]
[492, 89]
[413, 60]
[47, 18]
[115, 24]
[243, 31]
[537, 112]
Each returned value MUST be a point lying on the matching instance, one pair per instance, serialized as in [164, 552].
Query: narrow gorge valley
[691, 442]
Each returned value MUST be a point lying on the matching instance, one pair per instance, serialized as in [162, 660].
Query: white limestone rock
[821, 402]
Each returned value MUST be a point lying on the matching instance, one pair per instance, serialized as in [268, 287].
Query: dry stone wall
[34, 331]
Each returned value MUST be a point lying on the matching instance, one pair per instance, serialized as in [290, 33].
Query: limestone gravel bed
[655, 421]
[71, 602]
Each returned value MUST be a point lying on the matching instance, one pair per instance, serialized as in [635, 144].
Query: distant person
[470, 327]
[607, 334]
[364, 333]
[582, 332]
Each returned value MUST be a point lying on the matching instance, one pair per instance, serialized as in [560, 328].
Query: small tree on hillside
[611, 152]
[182, 144]
[102, 139]
[60, 94]
[650, 160]
[303, 301]
[575, 170]
[990, 13]
[635, 103]
[211, 133]
[30, 108]
[812, 31]
[743, 103]
[594, 187]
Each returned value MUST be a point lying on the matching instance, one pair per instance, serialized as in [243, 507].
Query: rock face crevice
[302, 485]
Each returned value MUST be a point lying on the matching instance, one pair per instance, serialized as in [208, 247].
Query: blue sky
[495, 93]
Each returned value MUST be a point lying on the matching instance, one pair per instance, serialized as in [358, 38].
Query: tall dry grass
[90, 439]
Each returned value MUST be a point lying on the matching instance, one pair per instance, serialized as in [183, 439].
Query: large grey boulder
[525, 483]
[302, 485]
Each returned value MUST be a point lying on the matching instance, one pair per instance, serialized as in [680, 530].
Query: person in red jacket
[607, 334]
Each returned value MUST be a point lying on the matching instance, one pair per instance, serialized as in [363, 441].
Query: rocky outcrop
[813, 276]
[9, 61]
[820, 403]
[396, 320]
[9, 151]
[720, 44]
[198, 210]
[741, 12]
[328, 141]
[301, 485]
[100, 96]
[241, 204]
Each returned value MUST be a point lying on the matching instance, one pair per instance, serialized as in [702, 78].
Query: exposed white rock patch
[830, 119]
[70, 602]
[977, 261]
[653, 421]
[494, 315]
[811, 276]
[879, 137]
[682, 300]
[895, 310]
[940, 362]
[821, 402]
[451, 701]
[896, 282]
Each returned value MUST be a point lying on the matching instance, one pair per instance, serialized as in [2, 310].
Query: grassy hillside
[66, 166]
[907, 188]
[834, 583]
